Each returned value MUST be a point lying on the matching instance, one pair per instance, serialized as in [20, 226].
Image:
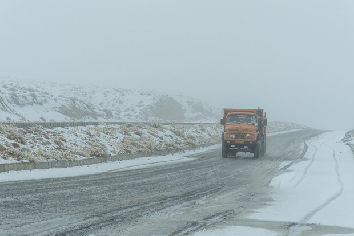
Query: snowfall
[319, 189]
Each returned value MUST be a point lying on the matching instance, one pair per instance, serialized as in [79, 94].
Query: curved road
[173, 199]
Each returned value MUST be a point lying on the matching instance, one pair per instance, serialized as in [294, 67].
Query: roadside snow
[138, 163]
[318, 190]
[236, 230]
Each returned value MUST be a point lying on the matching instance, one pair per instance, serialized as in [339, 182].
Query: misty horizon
[292, 59]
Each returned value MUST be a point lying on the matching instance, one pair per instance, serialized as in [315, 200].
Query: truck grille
[239, 136]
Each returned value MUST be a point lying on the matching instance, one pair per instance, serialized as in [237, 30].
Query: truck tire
[265, 145]
[257, 150]
[264, 148]
[261, 151]
[224, 150]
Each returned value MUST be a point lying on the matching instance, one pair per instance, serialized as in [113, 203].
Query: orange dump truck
[244, 131]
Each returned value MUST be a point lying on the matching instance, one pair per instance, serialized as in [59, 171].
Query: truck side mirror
[265, 122]
[222, 121]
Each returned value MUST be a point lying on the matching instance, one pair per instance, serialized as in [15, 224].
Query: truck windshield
[240, 119]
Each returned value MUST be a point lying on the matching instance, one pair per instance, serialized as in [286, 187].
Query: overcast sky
[293, 58]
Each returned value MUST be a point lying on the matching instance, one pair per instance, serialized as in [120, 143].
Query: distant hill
[23, 101]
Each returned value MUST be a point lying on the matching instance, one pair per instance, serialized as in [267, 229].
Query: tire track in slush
[307, 217]
[307, 167]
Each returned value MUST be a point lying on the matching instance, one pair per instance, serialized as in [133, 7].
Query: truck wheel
[224, 150]
[261, 151]
[264, 148]
[257, 150]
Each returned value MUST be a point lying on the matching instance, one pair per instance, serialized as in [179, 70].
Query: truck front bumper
[240, 146]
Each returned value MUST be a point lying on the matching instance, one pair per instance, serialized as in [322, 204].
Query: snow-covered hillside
[22, 101]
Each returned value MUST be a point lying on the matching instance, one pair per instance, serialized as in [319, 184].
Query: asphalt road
[174, 199]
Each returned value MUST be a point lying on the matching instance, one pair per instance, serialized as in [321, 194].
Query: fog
[295, 59]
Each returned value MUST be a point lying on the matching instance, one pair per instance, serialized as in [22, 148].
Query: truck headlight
[227, 135]
[252, 136]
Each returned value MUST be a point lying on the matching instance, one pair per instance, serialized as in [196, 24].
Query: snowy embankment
[73, 143]
[349, 139]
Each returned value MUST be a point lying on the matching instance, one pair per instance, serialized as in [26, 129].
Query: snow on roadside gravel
[72, 143]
